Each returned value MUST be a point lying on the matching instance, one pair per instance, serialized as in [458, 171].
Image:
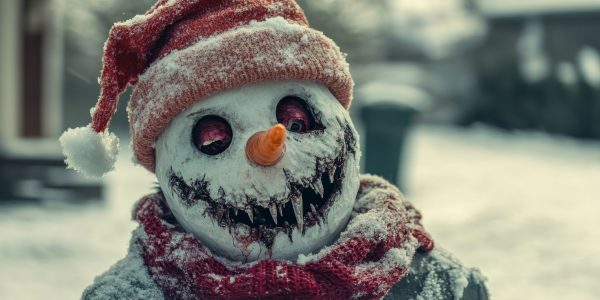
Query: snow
[54, 250]
[443, 277]
[523, 208]
[457, 275]
[89, 152]
[275, 23]
[432, 289]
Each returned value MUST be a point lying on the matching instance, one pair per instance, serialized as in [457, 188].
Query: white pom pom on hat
[89, 152]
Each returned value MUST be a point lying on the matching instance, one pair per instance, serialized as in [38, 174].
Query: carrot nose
[265, 148]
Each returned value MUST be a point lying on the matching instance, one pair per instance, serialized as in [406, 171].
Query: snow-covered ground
[522, 207]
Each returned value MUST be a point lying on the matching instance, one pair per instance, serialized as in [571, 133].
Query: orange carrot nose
[266, 147]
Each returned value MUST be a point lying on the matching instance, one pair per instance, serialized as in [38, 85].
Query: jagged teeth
[261, 229]
[235, 211]
[273, 211]
[313, 209]
[331, 173]
[250, 213]
[192, 196]
[280, 208]
[297, 206]
[318, 187]
[220, 212]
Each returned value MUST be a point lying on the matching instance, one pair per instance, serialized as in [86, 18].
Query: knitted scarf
[371, 255]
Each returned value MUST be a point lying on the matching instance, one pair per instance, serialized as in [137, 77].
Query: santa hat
[182, 51]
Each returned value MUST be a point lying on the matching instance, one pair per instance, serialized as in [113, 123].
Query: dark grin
[304, 207]
[307, 203]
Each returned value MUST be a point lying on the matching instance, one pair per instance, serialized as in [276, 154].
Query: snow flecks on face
[214, 196]
[231, 171]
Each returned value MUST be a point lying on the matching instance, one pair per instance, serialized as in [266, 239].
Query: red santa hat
[182, 51]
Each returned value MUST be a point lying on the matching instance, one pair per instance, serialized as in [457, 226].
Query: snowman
[240, 109]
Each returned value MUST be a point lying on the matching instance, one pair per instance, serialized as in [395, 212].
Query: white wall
[48, 16]
[52, 79]
[10, 69]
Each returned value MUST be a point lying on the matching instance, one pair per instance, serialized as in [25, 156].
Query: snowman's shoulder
[127, 279]
[439, 275]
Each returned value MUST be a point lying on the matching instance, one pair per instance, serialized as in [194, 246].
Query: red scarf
[370, 256]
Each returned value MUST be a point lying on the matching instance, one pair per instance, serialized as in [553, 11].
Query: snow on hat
[182, 51]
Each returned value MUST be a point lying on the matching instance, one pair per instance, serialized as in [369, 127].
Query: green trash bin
[388, 113]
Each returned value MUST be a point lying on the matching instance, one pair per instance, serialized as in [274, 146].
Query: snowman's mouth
[305, 205]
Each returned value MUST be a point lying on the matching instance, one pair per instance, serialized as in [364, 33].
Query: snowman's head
[247, 210]
[203, 85]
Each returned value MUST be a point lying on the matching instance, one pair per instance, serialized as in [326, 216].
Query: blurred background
[485, 112]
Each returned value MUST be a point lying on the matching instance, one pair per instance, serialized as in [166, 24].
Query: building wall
[53, 123]
[31, 68]
[532, 75]
[10, 69]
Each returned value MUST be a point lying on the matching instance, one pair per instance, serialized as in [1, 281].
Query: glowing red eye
[212, 135]
[294, 115]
